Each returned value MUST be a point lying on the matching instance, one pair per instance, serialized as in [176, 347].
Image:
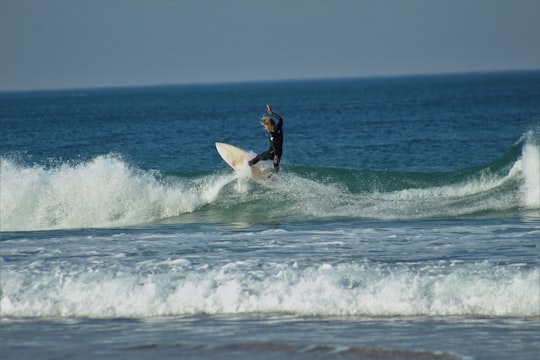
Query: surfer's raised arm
[279, 118]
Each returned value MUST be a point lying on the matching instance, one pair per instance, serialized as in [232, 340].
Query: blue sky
[50, 44]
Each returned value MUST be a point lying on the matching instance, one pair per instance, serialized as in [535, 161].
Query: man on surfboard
[275, 135]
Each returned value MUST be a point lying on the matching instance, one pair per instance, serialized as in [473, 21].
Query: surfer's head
[268, 123]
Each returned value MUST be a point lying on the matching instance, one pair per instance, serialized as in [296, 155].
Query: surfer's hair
[268, 123]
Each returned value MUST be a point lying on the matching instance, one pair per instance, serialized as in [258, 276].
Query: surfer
[275, 135]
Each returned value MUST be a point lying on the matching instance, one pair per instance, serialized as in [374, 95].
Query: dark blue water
[405, 221]
[437, 123]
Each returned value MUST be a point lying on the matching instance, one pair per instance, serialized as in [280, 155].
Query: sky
[54, 44]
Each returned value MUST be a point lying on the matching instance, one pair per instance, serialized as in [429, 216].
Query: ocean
[404, 223]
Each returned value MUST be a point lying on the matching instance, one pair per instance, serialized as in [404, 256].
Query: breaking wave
[107, 192]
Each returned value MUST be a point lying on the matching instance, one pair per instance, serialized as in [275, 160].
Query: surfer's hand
[276, 160]
[269, 109]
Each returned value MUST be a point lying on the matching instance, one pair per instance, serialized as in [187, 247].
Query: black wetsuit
[276, 144]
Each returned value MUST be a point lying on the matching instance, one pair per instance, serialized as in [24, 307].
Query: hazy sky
[87, 43]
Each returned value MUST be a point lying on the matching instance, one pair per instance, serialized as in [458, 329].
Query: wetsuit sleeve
[279, 119]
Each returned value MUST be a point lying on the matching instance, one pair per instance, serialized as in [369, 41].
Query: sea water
[404, 223]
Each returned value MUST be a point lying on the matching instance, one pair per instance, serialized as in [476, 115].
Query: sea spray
[531, 176]
[177, 288]
[103, 192]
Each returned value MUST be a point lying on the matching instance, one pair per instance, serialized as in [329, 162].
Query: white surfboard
[238, 160]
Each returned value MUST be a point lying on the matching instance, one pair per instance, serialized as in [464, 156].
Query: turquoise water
[405, 221]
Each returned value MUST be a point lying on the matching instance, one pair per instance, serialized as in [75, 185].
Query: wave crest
[107, 192]
[103, 192]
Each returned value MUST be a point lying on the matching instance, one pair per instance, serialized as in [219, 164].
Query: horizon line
[259, 81]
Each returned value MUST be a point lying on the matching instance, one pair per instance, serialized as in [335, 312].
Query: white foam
[326, 290]
[102, 192]
[481, 192]
[458, 199]
[530, 162]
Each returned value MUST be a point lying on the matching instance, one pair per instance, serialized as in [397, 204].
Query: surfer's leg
[253, 161]
[267, 155]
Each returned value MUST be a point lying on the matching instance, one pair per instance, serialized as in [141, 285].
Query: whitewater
[108, 192]
[165, 282]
